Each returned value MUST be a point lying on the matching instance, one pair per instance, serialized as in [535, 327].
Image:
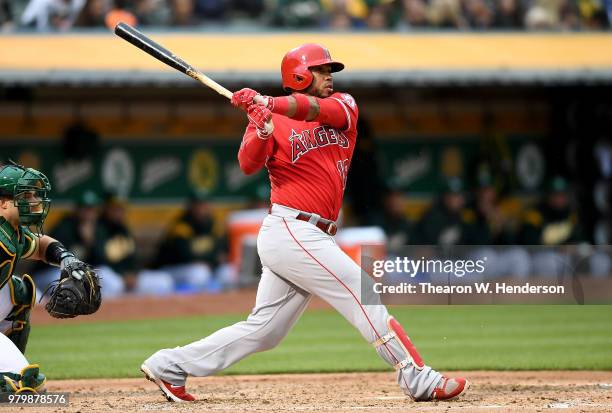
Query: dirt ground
[568, 391]
[369, 392]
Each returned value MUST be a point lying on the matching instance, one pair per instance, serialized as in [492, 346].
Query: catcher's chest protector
[14, 245]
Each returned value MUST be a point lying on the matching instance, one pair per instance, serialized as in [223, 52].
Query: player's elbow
[248, 170]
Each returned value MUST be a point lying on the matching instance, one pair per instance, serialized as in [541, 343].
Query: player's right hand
[243, 98]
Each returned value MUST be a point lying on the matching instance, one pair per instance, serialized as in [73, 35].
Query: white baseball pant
[298, 260]
[11, 359]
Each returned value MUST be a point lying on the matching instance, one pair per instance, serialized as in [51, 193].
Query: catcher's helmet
[295, 65]
[29, 189]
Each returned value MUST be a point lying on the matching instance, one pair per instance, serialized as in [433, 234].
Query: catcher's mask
[29, 189]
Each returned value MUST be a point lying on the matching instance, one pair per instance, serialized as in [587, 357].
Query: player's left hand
[243, 98]
[261, 117]
[73, 267]
[77, 292]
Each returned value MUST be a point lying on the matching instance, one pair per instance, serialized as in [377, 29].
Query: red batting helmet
[296, 63]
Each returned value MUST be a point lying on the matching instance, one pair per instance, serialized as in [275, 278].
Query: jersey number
[343, 167]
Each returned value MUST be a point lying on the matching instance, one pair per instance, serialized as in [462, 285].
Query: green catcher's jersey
[14, 245]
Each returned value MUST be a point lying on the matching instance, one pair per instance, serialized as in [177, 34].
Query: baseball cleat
[171, 392]
[450, 388]
[32, 380]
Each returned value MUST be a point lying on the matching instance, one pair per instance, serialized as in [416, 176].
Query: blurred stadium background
[503, 104]
[482, 122]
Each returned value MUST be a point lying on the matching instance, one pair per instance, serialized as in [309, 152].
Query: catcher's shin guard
[23, 297]
[397, 333]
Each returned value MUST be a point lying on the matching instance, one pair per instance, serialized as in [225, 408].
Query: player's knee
[267, 335]
[270, 340]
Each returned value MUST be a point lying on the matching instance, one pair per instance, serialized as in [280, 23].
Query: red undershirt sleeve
[332, 111]
[254, 151]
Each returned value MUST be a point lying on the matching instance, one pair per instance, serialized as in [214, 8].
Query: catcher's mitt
[77, 292]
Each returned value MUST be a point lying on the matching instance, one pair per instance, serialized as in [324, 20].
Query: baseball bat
[130, 34]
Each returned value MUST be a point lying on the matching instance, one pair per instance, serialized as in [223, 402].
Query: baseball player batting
[306, 141]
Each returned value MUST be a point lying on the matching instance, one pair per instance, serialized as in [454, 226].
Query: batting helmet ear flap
[297, 81]
[301, 80]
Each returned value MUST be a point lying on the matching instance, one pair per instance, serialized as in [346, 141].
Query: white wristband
[267, 101]
[267, 130]
[261, 134]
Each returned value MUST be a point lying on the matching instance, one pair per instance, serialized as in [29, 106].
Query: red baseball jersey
[308, 162]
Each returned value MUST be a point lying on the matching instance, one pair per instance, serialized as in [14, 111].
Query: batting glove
[243, 98]
[261, 118]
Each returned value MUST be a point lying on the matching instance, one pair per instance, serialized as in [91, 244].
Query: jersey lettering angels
[308, 161]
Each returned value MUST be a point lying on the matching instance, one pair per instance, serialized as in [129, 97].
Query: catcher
[24, 202]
